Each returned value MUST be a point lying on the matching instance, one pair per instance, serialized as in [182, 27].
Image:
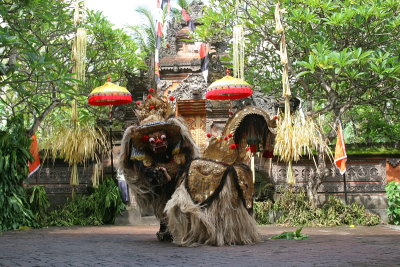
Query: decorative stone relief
[394, 162]
[352, 187]
[196, 10]
[365, 177]
[169, 46]
[221, 47]
[191, 88]
[216, 68]
[163, 85]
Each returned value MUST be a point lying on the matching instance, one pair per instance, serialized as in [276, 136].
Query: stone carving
[351, 187]
[65, 189]
[196, 10]
[263, 101]
[119, 112]
[139, 81]
[221, 47]
[217, 109]
[163, 85]
[192, 87]
[216, 68]
[169, 47]
[360, 177]
[394, 162]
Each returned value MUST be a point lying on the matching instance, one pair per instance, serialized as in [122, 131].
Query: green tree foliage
[343, 55]
[35, 64]
[110, 52]
[35, 36]
[38, 201]
[146, 32]
[14, 154]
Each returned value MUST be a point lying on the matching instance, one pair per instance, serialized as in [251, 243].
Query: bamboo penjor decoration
[284, 139]
[78, 58]
[296, 135]
[77, 142]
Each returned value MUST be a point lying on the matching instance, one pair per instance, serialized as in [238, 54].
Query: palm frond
[184, 3]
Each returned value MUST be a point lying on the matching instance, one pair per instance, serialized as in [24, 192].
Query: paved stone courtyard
[137, 246]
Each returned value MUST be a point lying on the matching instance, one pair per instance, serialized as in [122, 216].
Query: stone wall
[56, 176]
[366, 178]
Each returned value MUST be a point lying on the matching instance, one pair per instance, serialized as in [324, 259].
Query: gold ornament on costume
[153, 109]
[204, 177]
[219, 148]
[153, 114]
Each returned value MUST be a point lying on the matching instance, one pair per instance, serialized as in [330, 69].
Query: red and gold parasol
[228, 88]
[109, 94]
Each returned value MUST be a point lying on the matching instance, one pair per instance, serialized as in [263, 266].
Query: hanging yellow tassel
[238, 52]
[97, 174]
[278, 24]
[290, 175]
[74, 175]
[79, 53]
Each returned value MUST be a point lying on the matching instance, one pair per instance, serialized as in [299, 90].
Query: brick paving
[137, 246]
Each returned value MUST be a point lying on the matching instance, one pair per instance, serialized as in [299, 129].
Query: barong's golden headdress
[153, 115]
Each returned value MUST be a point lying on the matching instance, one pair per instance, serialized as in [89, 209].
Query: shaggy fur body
[203, 201]
[226, 221]
[147, 182]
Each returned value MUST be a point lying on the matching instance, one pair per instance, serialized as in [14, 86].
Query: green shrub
[263, 212]
[14, 155]
[294, 209]
[38, 201]
[393, 196]
[264, 188]
[99, 208]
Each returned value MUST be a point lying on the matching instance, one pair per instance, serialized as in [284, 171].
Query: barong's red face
[158, 142]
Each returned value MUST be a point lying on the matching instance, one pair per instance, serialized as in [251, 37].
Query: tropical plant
[393, 196]
[99, 208]
[38, 201]
[146, 32]
[14, 155]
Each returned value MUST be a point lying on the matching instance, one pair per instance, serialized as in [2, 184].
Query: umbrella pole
[111, 142]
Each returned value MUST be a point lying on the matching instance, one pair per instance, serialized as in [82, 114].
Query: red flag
[203, 53]
[340, 151]
[185, 15]
[159, 29]
[34, 150]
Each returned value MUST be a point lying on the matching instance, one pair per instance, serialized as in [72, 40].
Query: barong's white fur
[224, 222]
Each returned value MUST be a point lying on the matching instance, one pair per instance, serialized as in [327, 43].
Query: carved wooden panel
[197, 127]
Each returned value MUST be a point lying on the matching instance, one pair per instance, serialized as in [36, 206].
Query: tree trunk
[315, 181]
[38, 120]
